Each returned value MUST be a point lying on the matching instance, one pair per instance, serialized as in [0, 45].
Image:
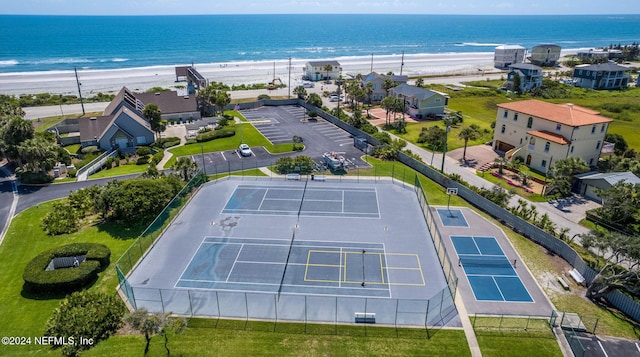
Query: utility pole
[371, 63]
[79, 91]
[402, 63]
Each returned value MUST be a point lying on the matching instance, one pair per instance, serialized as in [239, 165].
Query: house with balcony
[421, 103]
[530, 76]
[316, 70]
[608, 75]
[542, 133]
[545, 55]
[506, 55]
[377, 80]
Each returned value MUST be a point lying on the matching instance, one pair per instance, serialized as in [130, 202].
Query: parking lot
[279, 125]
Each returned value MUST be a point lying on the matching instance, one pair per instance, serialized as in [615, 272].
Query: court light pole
[204, 167]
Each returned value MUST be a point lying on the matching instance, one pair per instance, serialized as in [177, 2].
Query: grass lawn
[73, 149]
[42, 124]
[22, 316]
[119, 171]
[514, 344]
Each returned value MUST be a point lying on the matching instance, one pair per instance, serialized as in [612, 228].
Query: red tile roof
[567, 114]
[547, 135]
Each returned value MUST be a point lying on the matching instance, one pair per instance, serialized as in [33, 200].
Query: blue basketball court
[491, 274]
[452, 217]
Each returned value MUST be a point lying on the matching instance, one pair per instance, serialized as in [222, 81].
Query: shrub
[157, 157]
[87, 314]
[287, 165]
[216, 134]
[62, 219]
[191, 141]
[263, 97]
[34, 177]
[143, 151]
[89, 150]
[142, 160]
[72, 172]
[65, 280]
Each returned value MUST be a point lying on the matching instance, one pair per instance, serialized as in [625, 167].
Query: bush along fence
[619, 300]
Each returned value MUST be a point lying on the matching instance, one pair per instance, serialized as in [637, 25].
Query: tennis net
[284, 271]
[486, 261]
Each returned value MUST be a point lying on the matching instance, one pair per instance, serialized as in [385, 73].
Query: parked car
[308, 84]
[245, 150]
[333, 97]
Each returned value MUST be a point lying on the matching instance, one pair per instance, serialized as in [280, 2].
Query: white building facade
[542, 133]
[507, 55]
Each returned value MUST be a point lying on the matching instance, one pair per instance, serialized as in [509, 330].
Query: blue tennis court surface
[313, 267]
[491, 274]
[452, 217]
[313, 201]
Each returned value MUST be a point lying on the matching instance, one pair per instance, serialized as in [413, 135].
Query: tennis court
[296, 200]
[297, 250]
[490, 273]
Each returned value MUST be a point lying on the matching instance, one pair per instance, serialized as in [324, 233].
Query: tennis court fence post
[396, 320]
[161, 300]
[190, 304]
[246, 310]
[275, 306]
[365, 314]
[426, 320]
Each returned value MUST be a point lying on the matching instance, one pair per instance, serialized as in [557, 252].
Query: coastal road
[32, 113]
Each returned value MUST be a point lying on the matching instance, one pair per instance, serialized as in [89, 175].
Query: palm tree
[419, 82]
[300, 92]
[388, 84]
[368, 89]
[501, 162]
[524, 177]
[185, 167]
[153, 115]
[466, 134]
[328, 68]
[221, 99]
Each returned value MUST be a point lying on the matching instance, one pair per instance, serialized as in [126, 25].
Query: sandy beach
[248, 72]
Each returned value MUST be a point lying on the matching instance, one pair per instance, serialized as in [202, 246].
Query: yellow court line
[324, 265]
[306, 267]
[401, 268]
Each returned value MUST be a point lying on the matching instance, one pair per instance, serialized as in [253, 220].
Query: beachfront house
[608, 75]
[593, 181]
[421, 103]
[593, 54]
[317, 70]
[377, 80]
[542, 133]
[546, 55]
[506, 55]
[529, 75]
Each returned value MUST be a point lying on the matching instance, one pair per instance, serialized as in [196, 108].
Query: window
[602, 128]
[598, 145]
[558, 127]
[547, 146]
[532, 141]
[503, 128]
[529, 122]
[506, 114]
[515, 117]
[544, 163]
[591, 162]
[571, 149]
[593, 129]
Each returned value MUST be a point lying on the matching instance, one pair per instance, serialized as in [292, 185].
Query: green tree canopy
[563, 172]
[315, 100]
[153, 115]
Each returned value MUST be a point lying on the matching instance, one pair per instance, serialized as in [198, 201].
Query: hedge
[216, 134]
[64, 280]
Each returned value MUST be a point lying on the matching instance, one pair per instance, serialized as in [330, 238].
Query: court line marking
[276, 284]
[340, 283]
[602, 348]
[463, 216]
[295, 246]
[289, 293]
[262, 201]
[498, 286]
[234, 263]
[189, 262]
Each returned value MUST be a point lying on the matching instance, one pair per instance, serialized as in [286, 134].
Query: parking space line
[602, 348]
[224, 157]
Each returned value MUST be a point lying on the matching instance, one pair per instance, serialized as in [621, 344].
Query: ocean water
[51, 43]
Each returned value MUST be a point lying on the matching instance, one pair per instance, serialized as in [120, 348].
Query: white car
[308, 84]
[245, 150]
[335, 98]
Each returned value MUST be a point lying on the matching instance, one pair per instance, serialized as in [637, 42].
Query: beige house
[315, 70]
[543, 133]
[545, 55]
[421, 103]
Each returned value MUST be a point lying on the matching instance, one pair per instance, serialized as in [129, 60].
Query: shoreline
[240, 72]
